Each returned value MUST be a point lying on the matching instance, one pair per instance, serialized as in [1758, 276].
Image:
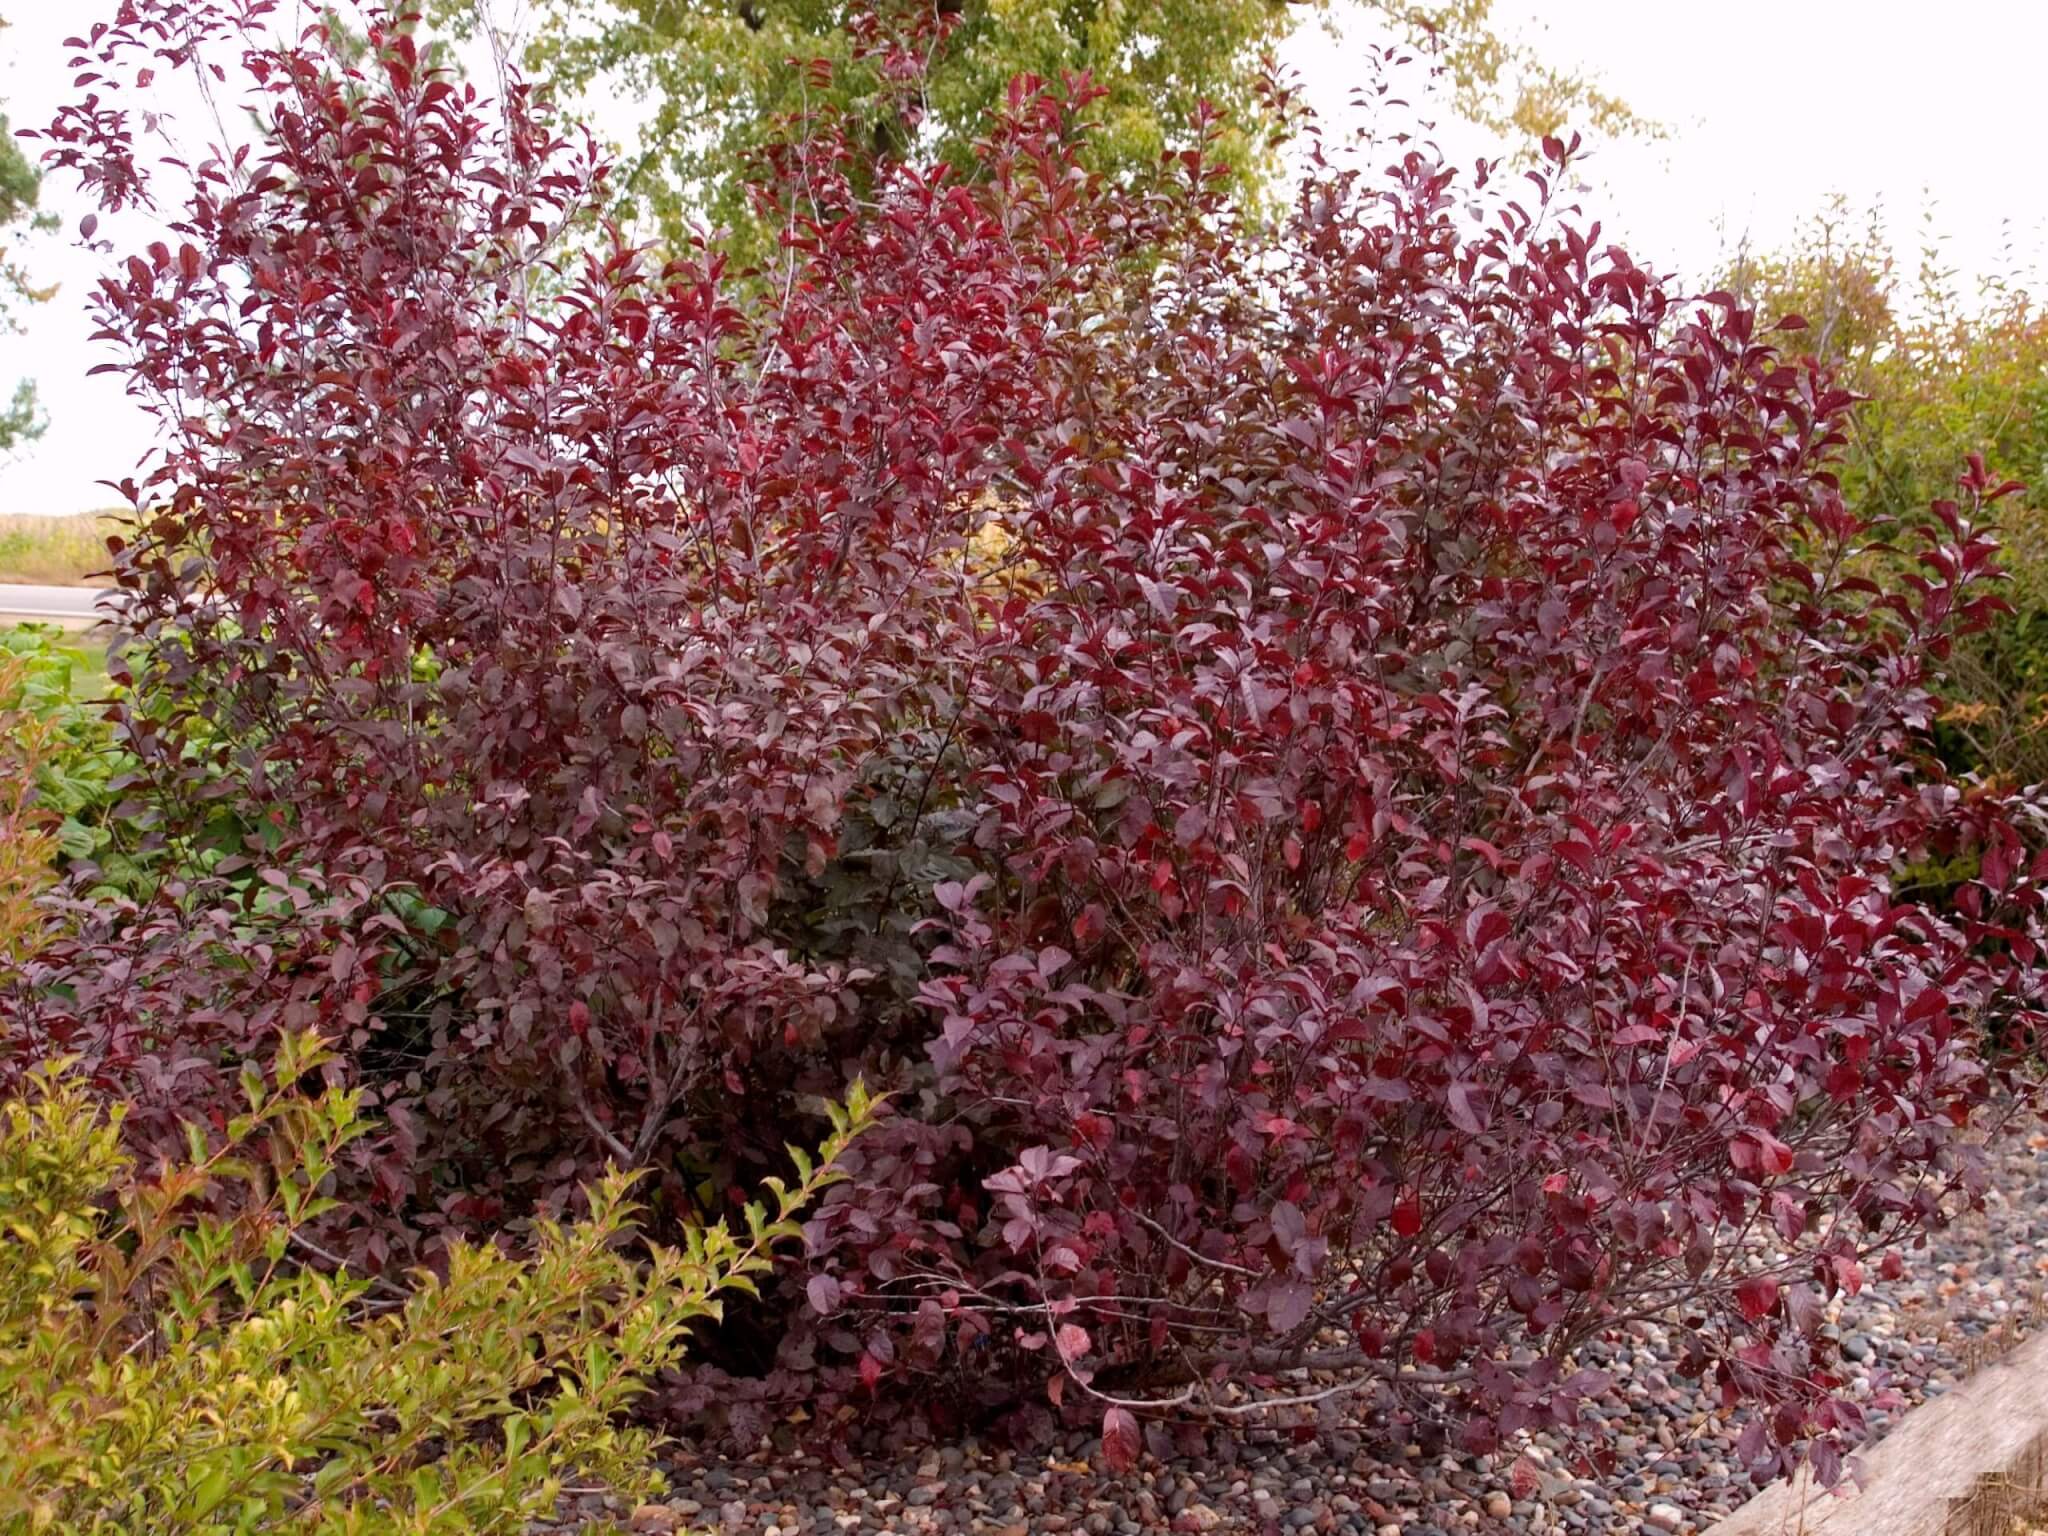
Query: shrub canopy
[1346, 774]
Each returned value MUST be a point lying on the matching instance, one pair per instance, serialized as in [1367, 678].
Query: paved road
[70, 606]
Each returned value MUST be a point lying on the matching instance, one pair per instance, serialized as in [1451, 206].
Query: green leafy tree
[718, 81]
[21, 419]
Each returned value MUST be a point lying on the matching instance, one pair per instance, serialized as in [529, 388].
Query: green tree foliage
[1504, 84]
[1945, 372]
[20, 419]
[19, 183]
[717, 81]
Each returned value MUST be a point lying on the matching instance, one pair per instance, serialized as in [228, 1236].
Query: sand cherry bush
[1444, 826]
[1344, 771]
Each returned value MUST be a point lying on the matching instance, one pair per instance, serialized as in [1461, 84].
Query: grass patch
[54, 551]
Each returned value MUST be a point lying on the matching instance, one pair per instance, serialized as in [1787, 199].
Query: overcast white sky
[1772, 104]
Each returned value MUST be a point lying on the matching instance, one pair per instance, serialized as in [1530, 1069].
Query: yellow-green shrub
[166, 1367]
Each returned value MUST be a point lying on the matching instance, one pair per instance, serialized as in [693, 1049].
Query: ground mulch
[1973, 1292]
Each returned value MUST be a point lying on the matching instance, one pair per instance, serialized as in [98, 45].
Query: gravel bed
[1969, 1295]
